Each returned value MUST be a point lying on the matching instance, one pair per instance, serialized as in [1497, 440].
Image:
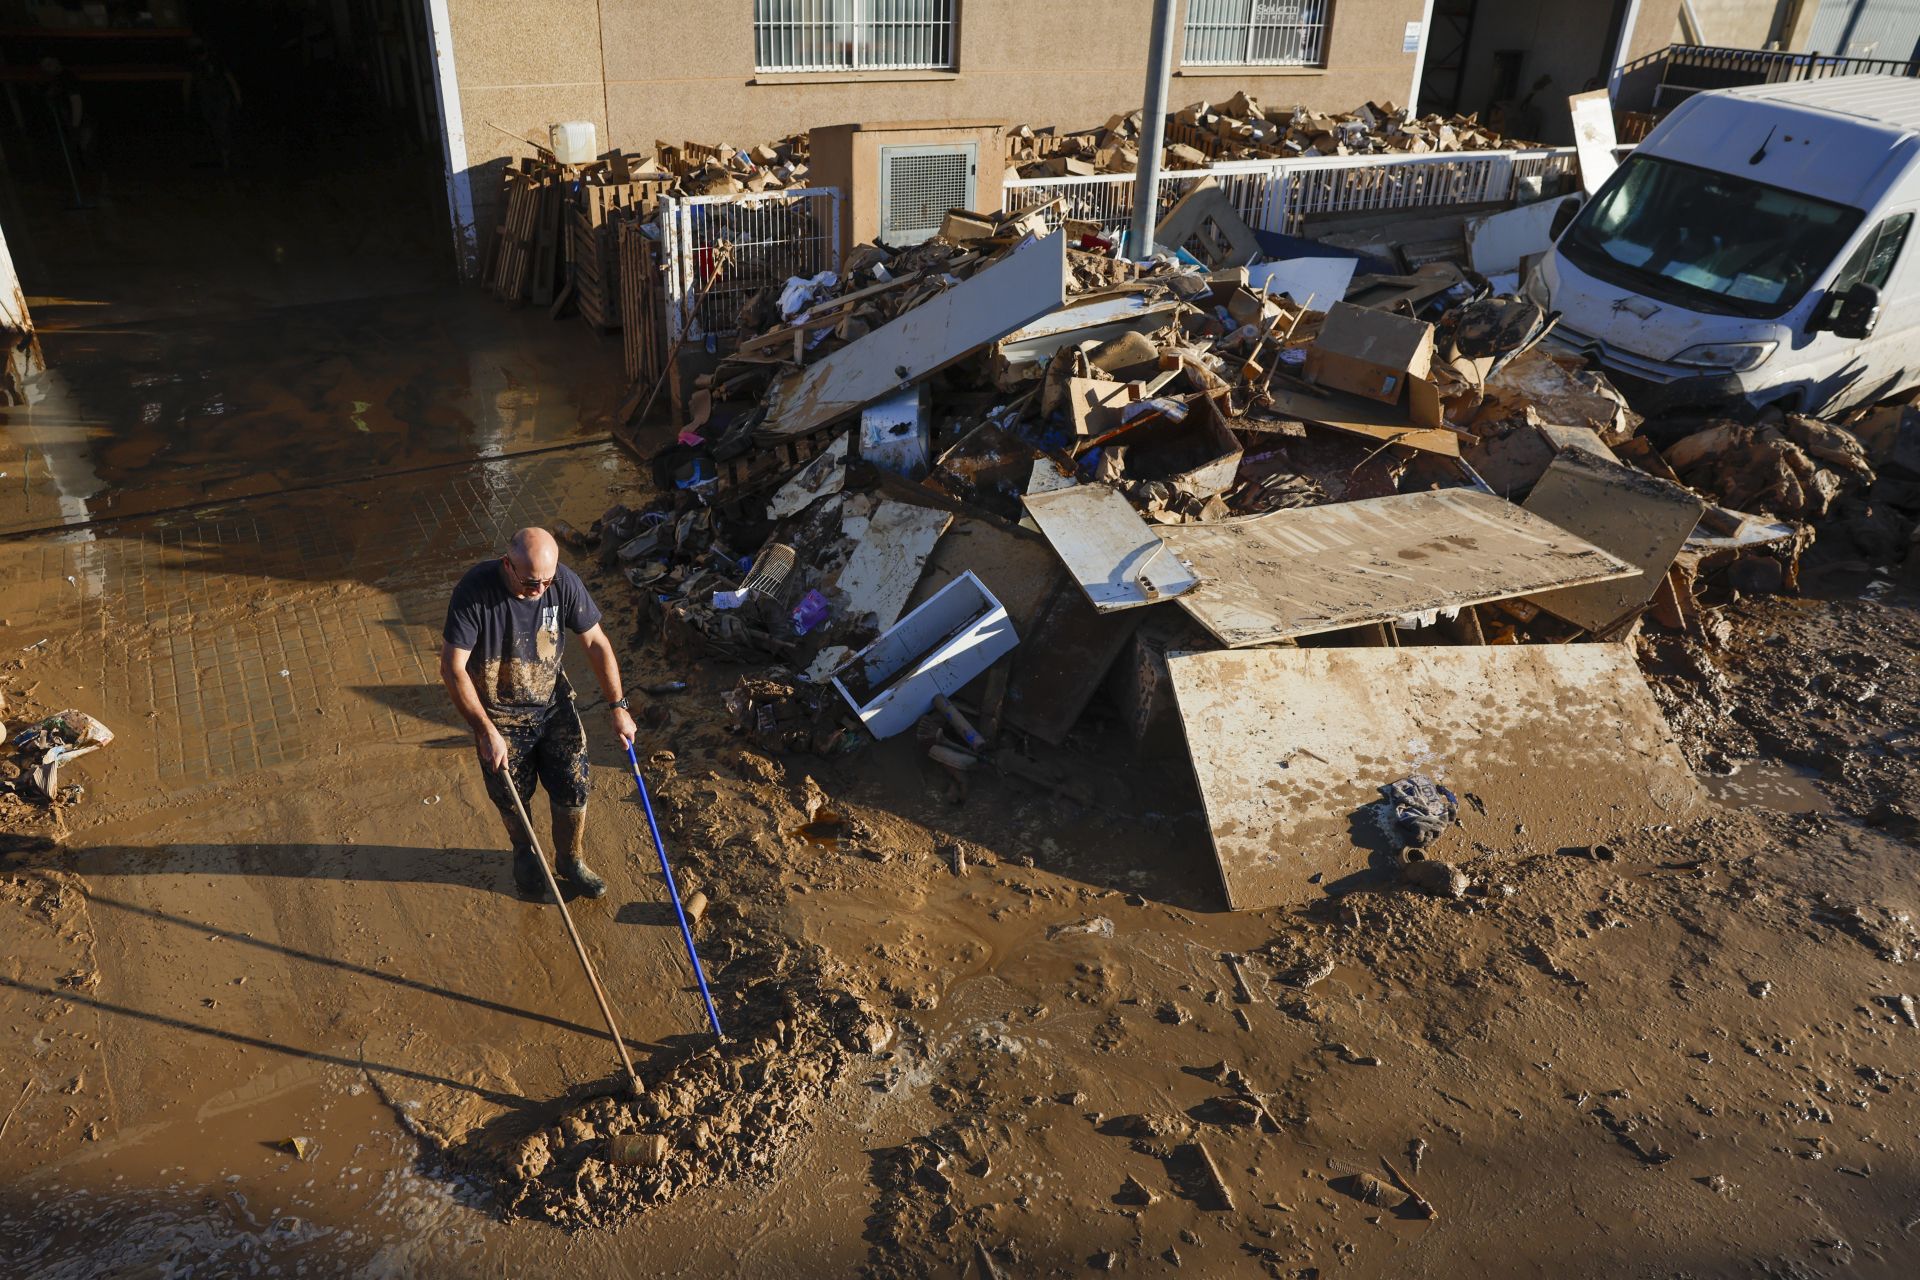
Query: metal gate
[721, 250]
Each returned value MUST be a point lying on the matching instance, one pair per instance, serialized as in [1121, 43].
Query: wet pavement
[283, 907]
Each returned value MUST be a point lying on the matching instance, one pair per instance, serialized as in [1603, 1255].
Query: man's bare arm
[466, 700]
[606, 670]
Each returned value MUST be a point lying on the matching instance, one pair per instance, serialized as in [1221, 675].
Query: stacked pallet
[593, 248]
[524, 264]
[642, 294]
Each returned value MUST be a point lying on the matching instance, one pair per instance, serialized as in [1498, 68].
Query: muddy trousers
[553, 754]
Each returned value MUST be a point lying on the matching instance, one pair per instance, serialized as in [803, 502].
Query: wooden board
[1315, 569]
[1640, 518]
[1358, 417]
[996, 300]
[1290, 747]
[1117, 559]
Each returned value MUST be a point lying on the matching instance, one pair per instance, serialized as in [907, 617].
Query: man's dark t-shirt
[517, 643]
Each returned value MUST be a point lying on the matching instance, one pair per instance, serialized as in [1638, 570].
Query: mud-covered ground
[273, 1008]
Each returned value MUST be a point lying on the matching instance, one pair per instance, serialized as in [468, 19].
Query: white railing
[1280, 195]
[720, 250]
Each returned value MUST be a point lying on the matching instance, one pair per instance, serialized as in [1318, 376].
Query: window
[1233, 33]
[1872, 263]
[1708, 240]
[852, 35]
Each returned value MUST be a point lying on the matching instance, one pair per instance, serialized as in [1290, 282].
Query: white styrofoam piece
[959, 631]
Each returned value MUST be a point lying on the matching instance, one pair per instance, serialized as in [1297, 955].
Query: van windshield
[1707, 240]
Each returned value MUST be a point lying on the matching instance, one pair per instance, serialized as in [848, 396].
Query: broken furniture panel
[1367, 418]
[1594, 137]
[1064, 661]
[995, 301]
[896, 432]
[1497, 242]
[1099, 319]
[953, 637]
[1115, 556]
[1313, 569]
[1290, 747]
[1311, 282]
[1640, 518]
[890, 549]
[1206, 225]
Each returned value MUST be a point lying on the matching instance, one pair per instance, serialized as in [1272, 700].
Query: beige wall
[1745, 24]
[676, 71]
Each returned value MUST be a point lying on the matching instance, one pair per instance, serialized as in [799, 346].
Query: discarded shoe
[582, 877]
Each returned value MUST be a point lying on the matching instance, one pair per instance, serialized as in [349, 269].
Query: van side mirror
[1859, 312]
[1563, 216]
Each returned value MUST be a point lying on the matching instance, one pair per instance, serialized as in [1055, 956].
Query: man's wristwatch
[621, 703]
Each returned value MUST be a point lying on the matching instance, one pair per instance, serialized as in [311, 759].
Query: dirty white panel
[1115, 556]
[1640, 518]
[1289, 747]
[890, 552]
[996, 300]
[1593, 137]
[1497, 242]
[825, 474]
[1302, 572]
[1311, 282]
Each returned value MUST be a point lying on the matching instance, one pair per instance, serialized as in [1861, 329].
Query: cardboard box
[1370, 353]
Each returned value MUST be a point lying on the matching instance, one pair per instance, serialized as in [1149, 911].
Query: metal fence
[1281, 195]
[720, 250]
[1687, 69]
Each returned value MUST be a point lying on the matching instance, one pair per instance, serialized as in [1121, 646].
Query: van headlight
[1734, 357]
[1533, 287]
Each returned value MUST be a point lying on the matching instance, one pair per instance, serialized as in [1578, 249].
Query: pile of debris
[1241, 129]
[1279, 512]
[41, 749]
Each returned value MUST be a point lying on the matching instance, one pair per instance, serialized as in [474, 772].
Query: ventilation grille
[920, 185]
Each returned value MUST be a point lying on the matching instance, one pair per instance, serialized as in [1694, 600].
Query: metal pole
[673, 891]
[1153, 134]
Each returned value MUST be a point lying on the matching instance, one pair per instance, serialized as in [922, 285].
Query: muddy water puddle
[292, 1173]
[1767, 784]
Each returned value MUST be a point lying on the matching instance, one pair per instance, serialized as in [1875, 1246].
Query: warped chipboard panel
[993, 302]
[1640, 518]
[1291, 746]
[1314, 569]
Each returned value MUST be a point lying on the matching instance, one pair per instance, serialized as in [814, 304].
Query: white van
[1750, 252]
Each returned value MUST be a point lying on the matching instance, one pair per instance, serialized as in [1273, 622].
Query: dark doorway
[172, 157]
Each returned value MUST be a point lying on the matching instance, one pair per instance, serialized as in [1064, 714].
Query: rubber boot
[527, 879]
[569, 836]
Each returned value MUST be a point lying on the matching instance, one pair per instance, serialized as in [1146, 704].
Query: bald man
[500, 659]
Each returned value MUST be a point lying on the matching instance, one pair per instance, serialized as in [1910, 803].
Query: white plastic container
[572, 142]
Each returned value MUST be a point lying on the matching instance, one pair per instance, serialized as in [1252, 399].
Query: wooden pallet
[642, 293]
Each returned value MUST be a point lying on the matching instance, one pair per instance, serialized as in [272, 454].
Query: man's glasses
[525, 579]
